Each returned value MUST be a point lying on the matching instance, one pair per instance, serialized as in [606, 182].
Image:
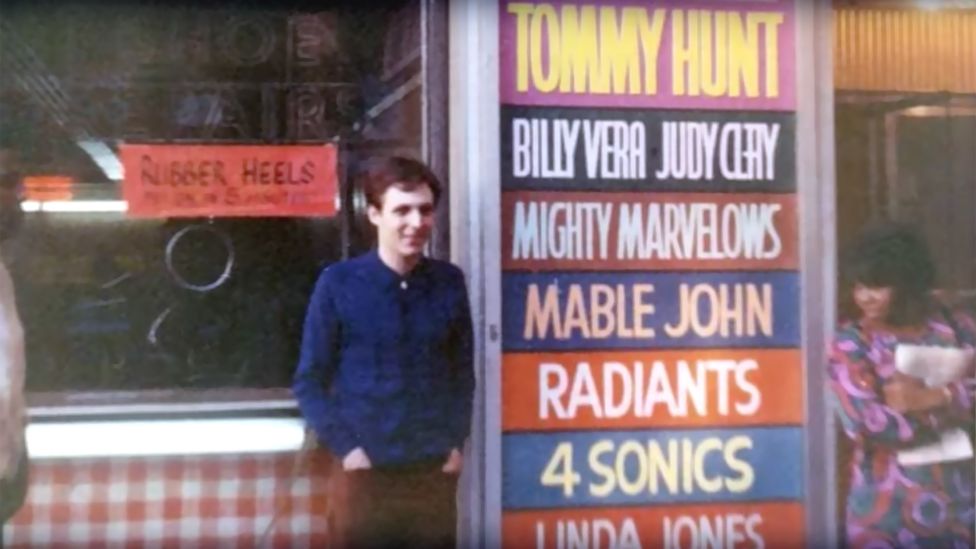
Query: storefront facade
[186, 173]
[643, 198]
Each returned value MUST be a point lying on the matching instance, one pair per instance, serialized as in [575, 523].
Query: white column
[818, 252]
[475, 246]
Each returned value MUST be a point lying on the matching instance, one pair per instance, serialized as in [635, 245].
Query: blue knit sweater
[386, 360]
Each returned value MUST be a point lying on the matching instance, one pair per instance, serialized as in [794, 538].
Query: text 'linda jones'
[713, 530]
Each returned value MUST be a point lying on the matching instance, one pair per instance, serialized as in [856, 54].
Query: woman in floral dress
[890, 275]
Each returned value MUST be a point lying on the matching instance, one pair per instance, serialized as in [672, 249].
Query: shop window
[122, 309]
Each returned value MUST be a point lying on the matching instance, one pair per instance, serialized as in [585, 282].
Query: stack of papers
[937, 367]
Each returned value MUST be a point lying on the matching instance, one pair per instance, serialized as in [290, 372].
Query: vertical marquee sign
[652, 385]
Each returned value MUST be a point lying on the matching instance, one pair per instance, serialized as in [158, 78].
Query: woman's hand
[908, 394]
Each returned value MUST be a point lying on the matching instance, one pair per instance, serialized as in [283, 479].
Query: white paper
[953, 446]
[936, 366]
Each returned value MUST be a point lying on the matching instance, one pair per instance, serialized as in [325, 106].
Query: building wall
[886, 49]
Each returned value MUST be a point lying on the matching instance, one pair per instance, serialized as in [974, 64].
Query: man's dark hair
[400, 171]
[894, 255]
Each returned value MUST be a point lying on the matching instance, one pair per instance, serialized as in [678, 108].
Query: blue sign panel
[574, 469]
[577, 311]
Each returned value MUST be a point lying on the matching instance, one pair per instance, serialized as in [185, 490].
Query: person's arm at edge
[12, 368]
[959, 403]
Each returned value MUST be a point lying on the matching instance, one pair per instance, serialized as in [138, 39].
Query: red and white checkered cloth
[173, 501]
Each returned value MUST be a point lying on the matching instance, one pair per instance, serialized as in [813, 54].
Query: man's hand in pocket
[355, 460]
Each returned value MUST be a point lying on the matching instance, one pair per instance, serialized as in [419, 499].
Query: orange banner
[660, 389]
[732, 525]
[230, 180]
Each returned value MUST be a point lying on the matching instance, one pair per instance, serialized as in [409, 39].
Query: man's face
[404, 221]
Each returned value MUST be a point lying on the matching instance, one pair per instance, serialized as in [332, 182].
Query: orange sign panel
[655, 388]
[730, 525]
[230, 180]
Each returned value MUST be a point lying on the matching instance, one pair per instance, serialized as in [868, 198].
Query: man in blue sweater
[385, 377]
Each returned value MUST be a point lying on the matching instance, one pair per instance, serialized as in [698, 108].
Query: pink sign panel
[669, 54]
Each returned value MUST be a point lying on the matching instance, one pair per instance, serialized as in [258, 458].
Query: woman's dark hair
[893, 255]
[397, 170]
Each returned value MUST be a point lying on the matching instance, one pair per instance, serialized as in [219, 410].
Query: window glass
[111, 302]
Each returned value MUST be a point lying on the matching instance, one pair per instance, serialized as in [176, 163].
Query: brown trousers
[403, 506]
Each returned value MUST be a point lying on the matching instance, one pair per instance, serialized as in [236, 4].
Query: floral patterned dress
[890, 505]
